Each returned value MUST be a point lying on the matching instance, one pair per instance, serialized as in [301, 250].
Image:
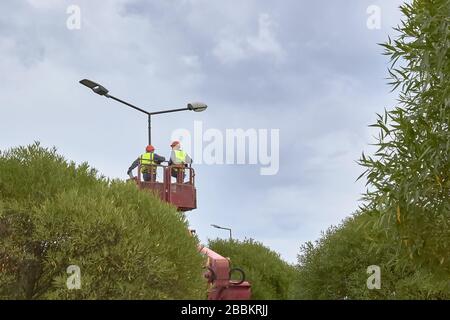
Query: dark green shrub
[127, 243]
[269, 275]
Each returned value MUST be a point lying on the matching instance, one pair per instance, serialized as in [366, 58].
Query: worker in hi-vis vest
[178, 158]
[147, 162]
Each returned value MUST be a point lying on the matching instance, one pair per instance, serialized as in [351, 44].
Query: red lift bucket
[177, 186]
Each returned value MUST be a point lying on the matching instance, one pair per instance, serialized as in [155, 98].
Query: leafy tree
[403, 224]
[127, 243]
[409, 194]
[269, 275]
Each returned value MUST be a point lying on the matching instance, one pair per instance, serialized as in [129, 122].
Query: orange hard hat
[150, 148]
[174, 143]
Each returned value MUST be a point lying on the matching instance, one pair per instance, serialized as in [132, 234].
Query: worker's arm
[158, 159]
[188, 159]
[173, 158]
[131, 168]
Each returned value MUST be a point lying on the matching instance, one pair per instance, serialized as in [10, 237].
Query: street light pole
[149, 129]
[223, 228]
[100, 90]
[149, 115]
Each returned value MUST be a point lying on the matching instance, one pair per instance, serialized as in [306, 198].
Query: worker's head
[150, 148]
[175, 145]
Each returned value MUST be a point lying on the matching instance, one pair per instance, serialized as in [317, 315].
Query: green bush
[335, 267]
[127, 243]
[269, 275]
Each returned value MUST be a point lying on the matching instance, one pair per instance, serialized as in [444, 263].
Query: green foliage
[409, 175]
[127, 243]
[269, 275]
[403, 224]
[335, 267]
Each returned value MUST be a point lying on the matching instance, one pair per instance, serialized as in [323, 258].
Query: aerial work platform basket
[177, 185]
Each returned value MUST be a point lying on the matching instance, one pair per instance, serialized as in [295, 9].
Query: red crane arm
[219, 277]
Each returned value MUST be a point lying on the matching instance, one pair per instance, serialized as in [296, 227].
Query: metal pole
[149, 129]
[126, 103]
[231, 238]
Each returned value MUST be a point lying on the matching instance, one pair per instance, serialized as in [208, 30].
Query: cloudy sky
[311, 69]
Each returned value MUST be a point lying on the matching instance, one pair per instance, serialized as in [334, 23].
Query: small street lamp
[219, 227]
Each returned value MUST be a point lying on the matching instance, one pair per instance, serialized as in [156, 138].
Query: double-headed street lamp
[219, 227]
[101, 90]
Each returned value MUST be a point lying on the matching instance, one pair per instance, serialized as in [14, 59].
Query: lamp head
[197, 106]
[97, 88]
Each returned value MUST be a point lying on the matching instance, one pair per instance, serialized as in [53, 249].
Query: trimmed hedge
[335, 267]
[127, 243]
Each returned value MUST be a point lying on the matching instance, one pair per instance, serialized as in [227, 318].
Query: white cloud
[232, 48]
[265, 42]
[45, 4]
[230, 51]
[192, 61]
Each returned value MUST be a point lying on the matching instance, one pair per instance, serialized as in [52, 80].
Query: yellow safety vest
[180, 155]
[147, 162]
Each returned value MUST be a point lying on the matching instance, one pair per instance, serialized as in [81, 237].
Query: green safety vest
[147, 160]
[180, 155]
